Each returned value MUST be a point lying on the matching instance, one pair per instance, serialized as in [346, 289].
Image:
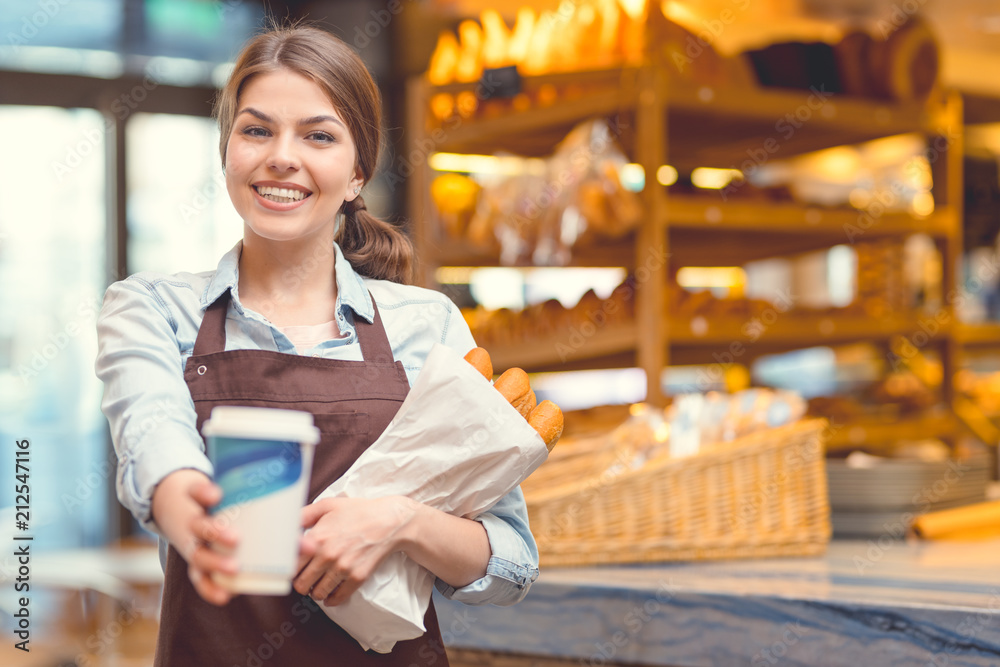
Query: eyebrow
[312, 120]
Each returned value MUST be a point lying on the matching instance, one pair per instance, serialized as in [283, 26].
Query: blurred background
[111, 167]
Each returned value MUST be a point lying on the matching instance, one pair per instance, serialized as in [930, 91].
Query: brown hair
[374, 248]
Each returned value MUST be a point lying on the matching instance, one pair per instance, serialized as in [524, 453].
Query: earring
[357, 190]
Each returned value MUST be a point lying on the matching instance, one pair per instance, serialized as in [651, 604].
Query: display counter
[872, 603]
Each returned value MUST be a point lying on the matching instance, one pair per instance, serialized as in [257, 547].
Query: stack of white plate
[884, 497]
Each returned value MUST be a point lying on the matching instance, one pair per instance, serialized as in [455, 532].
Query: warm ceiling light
[486, 164]
[634, 8]
[710, 178]
[696, 277]
[666, 175]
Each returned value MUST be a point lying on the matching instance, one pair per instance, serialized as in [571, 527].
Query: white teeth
[277, 194]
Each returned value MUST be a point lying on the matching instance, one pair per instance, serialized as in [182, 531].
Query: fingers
[327, 584]
[343, 591]
[206, 493]
[308, 577]
[314, 512]
[211, 530]
[208, 560]
[307, 549]
[209, 590]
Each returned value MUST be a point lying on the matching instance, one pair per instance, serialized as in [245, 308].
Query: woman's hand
[348, 538]
[180, 509]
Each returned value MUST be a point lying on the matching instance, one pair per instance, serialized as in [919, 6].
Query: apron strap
[212, 333]
[373, 339]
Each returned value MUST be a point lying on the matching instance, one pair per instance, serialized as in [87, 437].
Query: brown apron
[352, 402]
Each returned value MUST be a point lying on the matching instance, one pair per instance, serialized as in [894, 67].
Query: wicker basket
[760, 495]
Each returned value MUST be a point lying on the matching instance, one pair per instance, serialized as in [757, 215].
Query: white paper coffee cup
[262, 459]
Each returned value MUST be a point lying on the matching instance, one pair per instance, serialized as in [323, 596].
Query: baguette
[480, 360]
[547, 419]
[513, 385]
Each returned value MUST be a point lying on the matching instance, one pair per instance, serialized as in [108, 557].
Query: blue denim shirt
[146, 332]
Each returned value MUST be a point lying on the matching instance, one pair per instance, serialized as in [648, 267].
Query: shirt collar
[351, 290]
[226, 276]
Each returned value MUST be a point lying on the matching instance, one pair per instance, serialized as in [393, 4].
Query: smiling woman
[290, 161]
[310, 311]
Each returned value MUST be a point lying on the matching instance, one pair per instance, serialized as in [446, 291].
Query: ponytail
[376, 249]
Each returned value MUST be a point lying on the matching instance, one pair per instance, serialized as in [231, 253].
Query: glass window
[52, 280]
[80, 24]
[179, 214]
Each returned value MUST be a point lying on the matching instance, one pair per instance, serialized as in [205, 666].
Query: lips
[282, 194]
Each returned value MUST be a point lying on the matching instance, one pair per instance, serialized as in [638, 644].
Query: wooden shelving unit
[660, 121]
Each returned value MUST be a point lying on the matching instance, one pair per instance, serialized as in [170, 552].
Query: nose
[283, 156]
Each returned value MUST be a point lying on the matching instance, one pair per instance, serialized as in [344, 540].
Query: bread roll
[547, 419]
[530, 404]
[480, 360]
[513, 385]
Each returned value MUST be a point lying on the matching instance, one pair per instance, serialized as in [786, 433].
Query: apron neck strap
[212, 333]
[372, 337]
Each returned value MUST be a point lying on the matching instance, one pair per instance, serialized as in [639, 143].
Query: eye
[255, 131]
[321, 137]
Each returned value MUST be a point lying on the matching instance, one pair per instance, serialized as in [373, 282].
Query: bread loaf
[547, 419]
[530, 404]
[480, 360]
[513, 385]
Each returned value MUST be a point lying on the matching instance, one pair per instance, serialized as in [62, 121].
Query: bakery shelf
[979, 335]
[580, 347]
[659, 120]
[938, 423]
[740, 231]
[782, 123]
[456, 252]
[701, 340]
[707, 339]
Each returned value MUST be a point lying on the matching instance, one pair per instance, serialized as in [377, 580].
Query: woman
[310, 312]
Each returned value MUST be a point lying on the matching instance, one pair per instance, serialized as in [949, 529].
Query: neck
[289, 283]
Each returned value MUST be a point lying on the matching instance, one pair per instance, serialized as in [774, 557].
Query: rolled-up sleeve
[514, 563]
[146, 400]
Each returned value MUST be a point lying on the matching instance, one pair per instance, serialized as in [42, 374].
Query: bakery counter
[874, 603]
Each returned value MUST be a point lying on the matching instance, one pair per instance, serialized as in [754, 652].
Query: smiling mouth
[281, 195]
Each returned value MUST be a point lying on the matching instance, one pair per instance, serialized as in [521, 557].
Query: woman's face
[290, 160]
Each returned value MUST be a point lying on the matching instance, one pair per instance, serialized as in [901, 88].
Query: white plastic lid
[232, 421]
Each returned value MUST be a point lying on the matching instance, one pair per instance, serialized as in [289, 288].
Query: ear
[355, 183]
